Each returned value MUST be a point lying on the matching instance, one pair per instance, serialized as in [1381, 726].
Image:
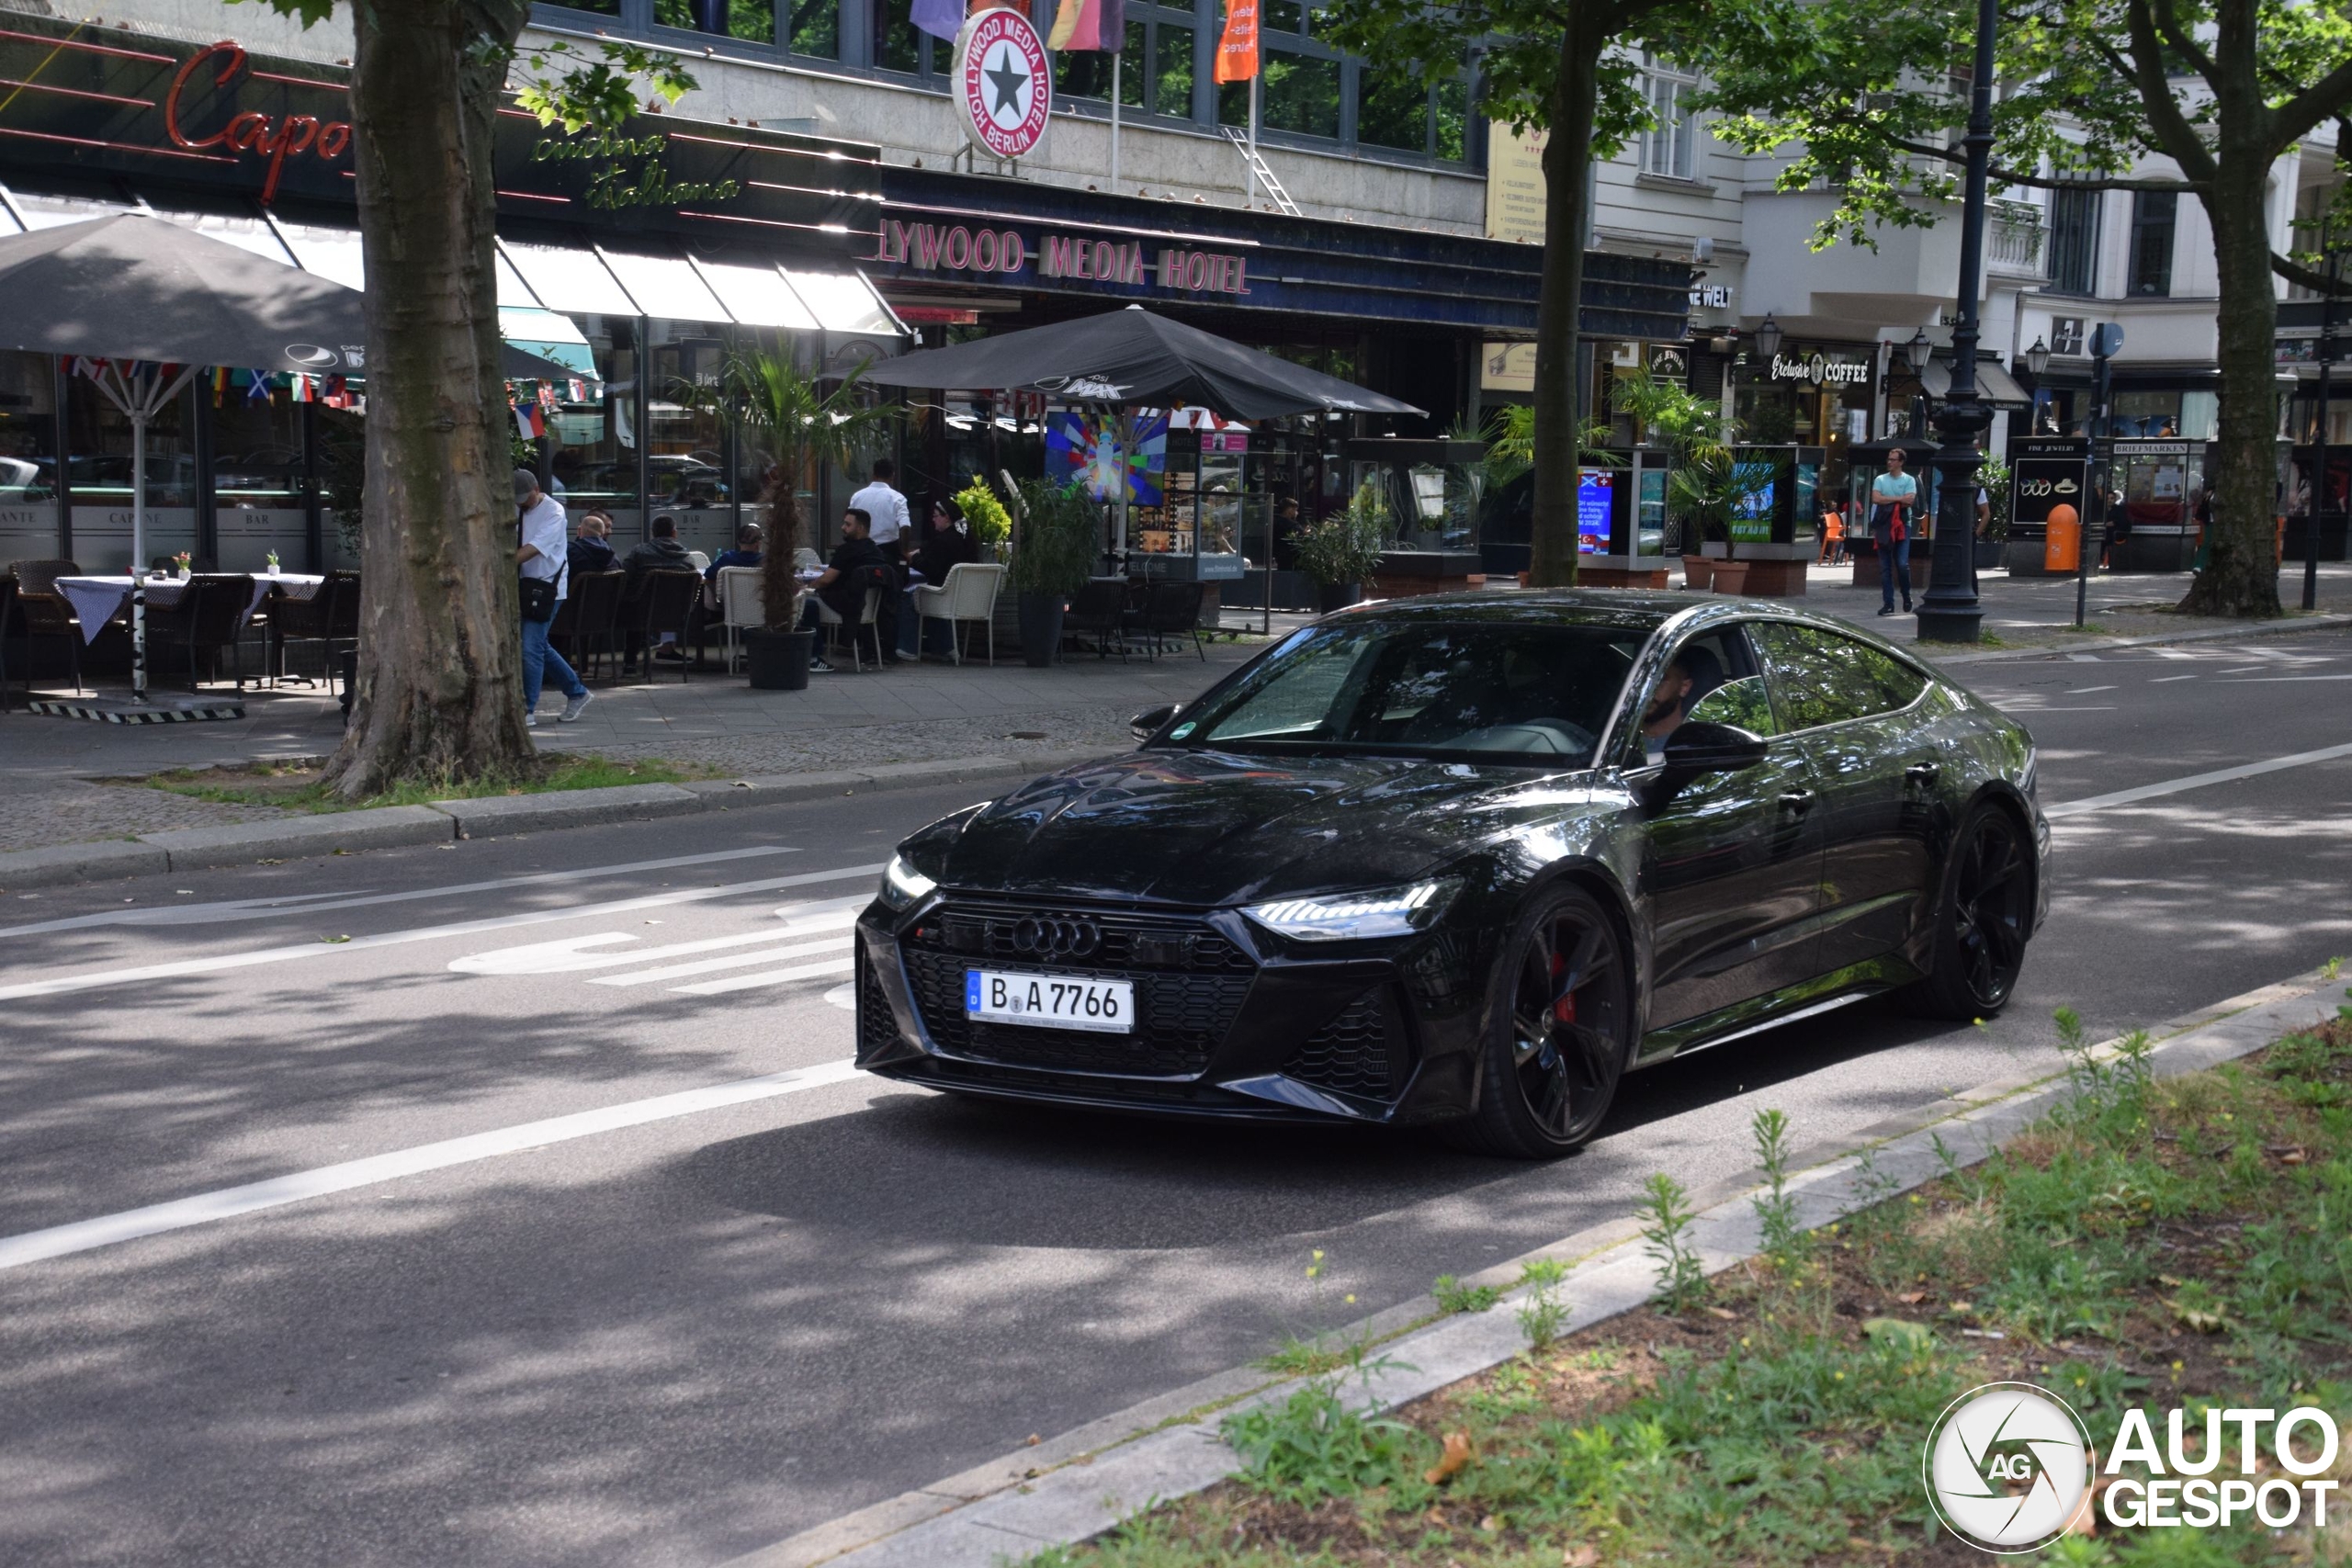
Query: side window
[1711, 678]
[1821, 678]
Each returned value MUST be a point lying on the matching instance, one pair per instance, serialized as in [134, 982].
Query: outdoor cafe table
[97, 600]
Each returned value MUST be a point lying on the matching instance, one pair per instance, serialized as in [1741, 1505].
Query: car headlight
[1356, 917]
[902, 885]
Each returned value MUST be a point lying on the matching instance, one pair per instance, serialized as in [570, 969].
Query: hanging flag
[302, 389]
[220, 384]
[940, 19]
[1236, 49]
[257, 387]
[578, 389]
[547, 395]
[1095, 25]
[84, 365]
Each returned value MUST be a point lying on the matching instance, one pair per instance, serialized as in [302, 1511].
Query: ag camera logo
[2007, 1466]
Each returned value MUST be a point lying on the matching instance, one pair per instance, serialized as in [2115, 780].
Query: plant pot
[1041, 628]
[1731, 576]
[1714, 549]
[778, 662]
[1330, 596]
[1698, 571]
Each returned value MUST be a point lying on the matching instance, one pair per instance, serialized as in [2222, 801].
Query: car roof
[1632, 609]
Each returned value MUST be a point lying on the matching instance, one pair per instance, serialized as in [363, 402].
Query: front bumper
[1227, 1024]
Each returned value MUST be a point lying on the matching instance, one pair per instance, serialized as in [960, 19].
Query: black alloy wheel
[1561, 1032]
[1981, 920]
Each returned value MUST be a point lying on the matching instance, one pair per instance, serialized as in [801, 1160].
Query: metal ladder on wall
[1288, 208]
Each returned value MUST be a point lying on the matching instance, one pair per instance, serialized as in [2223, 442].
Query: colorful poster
[1596, 505]
[1084, 445]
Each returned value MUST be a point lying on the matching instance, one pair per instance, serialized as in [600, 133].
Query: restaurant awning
[1995, 388]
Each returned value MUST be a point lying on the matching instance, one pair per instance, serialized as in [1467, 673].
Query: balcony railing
[2013, 238]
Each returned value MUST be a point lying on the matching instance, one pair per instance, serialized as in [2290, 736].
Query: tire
[1982, 917]
[1561, 1030]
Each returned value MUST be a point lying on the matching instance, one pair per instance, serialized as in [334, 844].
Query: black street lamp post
[1950, 612]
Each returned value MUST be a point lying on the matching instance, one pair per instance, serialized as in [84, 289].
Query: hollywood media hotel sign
[1007, 253]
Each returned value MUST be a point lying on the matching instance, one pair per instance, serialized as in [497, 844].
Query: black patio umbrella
[1137, 359]
[150, 303]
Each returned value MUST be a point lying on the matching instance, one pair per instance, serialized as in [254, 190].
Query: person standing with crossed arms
[1894, 497]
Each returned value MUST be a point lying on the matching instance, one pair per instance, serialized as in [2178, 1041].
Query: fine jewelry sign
[1003, 84]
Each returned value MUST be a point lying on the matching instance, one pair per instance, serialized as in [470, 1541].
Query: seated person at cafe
[709, 609]
[858, 564]
[945, 543]
[590, 548]
[661, 552]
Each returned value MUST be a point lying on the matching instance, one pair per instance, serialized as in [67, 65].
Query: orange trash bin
[2061, 541]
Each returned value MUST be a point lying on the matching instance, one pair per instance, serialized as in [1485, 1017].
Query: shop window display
[260, 491]
[98, 470]
[28, 457]
[592, 444]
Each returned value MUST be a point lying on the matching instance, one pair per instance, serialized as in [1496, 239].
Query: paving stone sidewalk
[911, 714]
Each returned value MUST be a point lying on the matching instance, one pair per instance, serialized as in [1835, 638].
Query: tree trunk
[440, 654]
[2241, 577]
[1567, 172]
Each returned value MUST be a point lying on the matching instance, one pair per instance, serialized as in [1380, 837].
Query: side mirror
[1149, 722]
[1695, 749]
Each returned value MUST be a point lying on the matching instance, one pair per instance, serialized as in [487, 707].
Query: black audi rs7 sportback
[1465, 860]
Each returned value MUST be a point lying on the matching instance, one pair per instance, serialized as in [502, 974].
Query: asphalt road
[670, 1332]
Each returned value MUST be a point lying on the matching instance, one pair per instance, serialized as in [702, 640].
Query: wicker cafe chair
[664, 600]
[969, 595]
[1173, 609]
[741, 605]
[210, 615]
[44, 612]
[1100, 606]
[868, 623]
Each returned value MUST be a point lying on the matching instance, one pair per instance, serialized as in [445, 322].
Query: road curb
[2092, 644]
[1075, 1486]
[443, 822]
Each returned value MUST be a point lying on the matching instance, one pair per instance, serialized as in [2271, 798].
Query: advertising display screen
[1596, 505]
[1751, 517]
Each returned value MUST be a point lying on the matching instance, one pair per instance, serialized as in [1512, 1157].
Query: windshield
[1533, 694]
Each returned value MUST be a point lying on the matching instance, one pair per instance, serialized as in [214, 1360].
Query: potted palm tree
[791, 412]
[1340, 552]
[1053, 545]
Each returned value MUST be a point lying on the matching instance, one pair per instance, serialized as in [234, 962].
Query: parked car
[1465, 860]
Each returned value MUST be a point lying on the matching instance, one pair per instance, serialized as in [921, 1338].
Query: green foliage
[1312, 1446]
[1453, 1296]
[1542, 1314]
[983, 513]
[1776, 1212]
[1666, 1220]
[1992, 475]
[1058, 539]
[1345, 547]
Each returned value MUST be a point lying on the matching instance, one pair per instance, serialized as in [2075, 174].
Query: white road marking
[84, 1235]
[2195, 780]
[308, 903]
[2087, 690]
[2162, 679]
[2084, 657]
[95, 979]
[729, 960]
[772, 977]
[569, 955]
[2274, 680]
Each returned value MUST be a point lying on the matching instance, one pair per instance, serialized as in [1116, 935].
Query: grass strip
[2183, 1241]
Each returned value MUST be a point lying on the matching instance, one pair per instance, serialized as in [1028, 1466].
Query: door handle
[1923, 772]
[1797, 800]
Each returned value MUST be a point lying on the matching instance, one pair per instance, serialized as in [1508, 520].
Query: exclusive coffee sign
[159, 114]
[1003, 82]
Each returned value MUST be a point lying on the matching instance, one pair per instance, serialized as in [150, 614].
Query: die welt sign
[1044, 259]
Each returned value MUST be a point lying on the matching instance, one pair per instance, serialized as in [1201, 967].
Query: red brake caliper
[1564, 1009]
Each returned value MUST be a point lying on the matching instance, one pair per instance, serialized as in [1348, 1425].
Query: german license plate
[1050, 1001]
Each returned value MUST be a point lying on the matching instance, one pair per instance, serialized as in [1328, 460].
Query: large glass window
[1301, 94]
[1671, 148]
[1171, 81]
[751, 20]
[2153, 213]
[259, 495]
[28, 459]
[99, 467]
[816, 28]
[688, 475]
[593, 444]
[2074, 242]
[1391, 113]
[897, 45]
[1086, 72]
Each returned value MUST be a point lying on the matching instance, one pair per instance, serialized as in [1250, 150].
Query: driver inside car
[1668, 704]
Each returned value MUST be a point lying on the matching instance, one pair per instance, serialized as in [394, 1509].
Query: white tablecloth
[97, 600]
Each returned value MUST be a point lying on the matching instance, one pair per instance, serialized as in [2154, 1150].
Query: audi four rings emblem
[1077, 938]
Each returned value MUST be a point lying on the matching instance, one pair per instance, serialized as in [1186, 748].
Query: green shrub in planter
[1344, 550]
[983, 514]
[1055, 548]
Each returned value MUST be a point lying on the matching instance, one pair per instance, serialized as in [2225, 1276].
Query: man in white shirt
[544, 554]
[878, 501]
[893, 534]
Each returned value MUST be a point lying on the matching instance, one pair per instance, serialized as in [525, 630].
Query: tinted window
[1537, 693]
[1821, 678]
[1715, 678]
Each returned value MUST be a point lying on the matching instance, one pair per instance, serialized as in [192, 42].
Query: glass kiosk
[1215, 517]
[1433, 489]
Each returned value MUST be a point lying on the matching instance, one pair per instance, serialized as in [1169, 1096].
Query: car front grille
[1190, 984]
[877, 1030]
[1359, 1052]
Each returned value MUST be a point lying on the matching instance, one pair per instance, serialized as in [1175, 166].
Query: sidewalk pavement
[913, 713]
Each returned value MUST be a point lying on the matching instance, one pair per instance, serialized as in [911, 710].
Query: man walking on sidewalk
[543, 558]
[1893, 495]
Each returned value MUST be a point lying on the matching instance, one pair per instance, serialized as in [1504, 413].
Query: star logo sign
[1007, 80]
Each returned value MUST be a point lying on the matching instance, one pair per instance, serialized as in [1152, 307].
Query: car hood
[1208, 828]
